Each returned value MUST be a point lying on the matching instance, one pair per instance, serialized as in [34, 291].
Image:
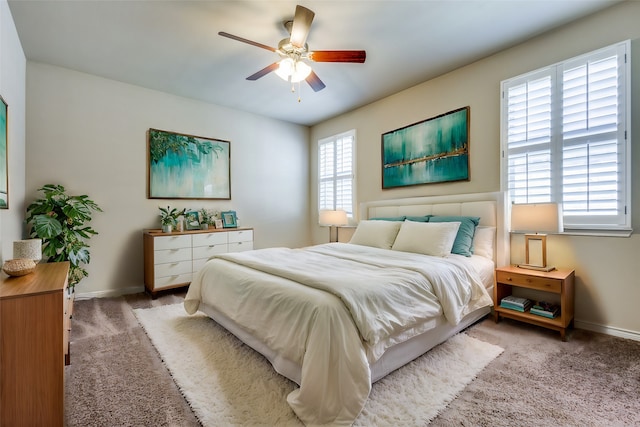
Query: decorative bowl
[19, 266]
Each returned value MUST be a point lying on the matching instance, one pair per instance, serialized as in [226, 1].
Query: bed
[329, 317]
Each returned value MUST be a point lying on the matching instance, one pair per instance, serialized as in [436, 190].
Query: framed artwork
[218, 223]
[4, 159]
[184, 166]
[229, 219]
[430, 151]
[192, 220]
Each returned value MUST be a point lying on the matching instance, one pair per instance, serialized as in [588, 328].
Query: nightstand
[558, 282]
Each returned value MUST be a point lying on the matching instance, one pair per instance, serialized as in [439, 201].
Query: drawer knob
[509, 279]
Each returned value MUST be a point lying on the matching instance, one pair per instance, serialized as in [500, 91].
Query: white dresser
[172, 259]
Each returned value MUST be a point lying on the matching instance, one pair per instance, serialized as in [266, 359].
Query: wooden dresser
[35, 319]
[172, 259]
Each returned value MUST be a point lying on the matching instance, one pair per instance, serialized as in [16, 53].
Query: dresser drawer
[172, 242]
[240, 246]
[208, 251]
[172, 255]
[527, 281]
[170, 281]
[172, 269]
[241, 236]
[209, 239]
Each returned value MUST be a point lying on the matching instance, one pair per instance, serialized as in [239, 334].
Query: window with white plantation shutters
[565, 138]
[336, 172]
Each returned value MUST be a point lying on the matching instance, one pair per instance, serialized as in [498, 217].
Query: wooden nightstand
[556, 281]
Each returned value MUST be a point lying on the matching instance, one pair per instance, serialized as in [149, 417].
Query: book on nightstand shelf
[546, 309]
[515, 303]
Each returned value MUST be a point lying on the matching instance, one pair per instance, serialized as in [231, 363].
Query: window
[336, 172]
[564, 138]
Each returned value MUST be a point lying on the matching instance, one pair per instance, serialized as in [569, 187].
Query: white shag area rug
[228, 383]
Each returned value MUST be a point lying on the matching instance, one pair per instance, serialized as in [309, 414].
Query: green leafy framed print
[182, 166]
[430, 151]
[4, 158]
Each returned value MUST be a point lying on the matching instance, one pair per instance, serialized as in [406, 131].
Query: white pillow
[379, 234]
[429, 238]
[483, 241]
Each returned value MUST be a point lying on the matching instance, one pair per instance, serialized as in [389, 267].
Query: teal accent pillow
[463, 245]
[389, 218]
[424, 218]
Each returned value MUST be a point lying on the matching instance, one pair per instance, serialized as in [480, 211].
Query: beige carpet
[227, 383]
[116, 377]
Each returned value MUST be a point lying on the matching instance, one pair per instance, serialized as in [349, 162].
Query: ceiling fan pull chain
[299, 93]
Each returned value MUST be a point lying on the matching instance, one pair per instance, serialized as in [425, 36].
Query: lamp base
[536, 267]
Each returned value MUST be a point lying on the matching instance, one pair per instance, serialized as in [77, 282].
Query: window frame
[335, 177]
[555, 71]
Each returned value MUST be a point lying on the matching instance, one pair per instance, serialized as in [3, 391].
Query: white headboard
[490, 207]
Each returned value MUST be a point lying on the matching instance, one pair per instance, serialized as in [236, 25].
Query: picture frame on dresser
[229, 219]
[192, 220]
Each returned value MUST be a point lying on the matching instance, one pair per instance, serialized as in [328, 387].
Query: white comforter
[357, 302]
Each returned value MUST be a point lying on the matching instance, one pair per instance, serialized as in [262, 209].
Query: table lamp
[28, 249]
[332, 219]
[538, 218]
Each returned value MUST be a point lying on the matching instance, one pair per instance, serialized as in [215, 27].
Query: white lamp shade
[293, 70]
[28, 249]
[538, 218]
[329, 217]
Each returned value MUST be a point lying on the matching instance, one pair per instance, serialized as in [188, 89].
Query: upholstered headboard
[490, 207]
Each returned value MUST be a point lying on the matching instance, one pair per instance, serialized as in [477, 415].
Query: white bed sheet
[335, 367]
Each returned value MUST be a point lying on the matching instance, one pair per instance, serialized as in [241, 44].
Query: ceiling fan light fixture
[293, 71]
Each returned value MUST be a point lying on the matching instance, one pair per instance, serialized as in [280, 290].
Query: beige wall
[12, 82]
[89, 134]
[607, 269]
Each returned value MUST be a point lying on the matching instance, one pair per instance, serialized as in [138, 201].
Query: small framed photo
[218, 223]
[192, 220]
[229, 219]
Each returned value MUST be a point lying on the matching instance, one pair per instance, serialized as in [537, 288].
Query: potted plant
[207, 218]
[169, 218]
[60, 221]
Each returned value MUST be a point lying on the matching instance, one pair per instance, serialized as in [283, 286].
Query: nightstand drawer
[531, 282]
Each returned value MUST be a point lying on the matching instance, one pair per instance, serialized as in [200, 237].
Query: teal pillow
[389, 218]
[424, 218]
[463, 244]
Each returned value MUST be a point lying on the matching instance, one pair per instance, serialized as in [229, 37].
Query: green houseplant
[169, 217]
[60, 221]
[207, 217]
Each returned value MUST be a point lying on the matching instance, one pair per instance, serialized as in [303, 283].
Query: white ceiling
[173, 46]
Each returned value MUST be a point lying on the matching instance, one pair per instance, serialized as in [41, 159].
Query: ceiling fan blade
[251, 42]
[266, 70]
[315, 82]
[358, 56]
[301, 26]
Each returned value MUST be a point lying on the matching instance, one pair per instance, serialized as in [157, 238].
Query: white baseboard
[110, 293]
[607, 330]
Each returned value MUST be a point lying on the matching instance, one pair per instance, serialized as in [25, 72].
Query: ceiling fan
[294, 50]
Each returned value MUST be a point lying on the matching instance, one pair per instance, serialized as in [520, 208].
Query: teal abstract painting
[188, 167]
[431, 151]
[4, 161]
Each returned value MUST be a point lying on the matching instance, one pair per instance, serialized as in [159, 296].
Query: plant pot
[167, 228]
[204, 226]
